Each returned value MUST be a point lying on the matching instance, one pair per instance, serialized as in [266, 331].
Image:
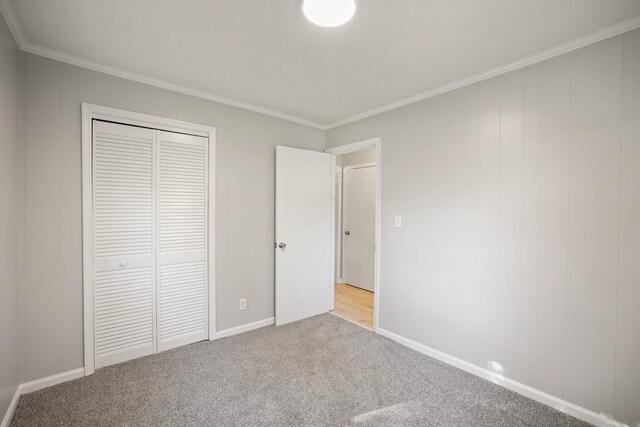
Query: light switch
[397, 221]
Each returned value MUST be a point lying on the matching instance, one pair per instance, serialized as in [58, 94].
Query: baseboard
[11, 409]
[537, 395]
[52, 380]
[36, 385]
[245, 328]
[41, 383]
[62, 377]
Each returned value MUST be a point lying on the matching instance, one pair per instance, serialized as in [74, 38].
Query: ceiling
[264, 54]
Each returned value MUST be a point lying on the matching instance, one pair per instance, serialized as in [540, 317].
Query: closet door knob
[124, 263]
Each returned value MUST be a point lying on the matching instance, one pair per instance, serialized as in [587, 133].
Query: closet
[150, 217]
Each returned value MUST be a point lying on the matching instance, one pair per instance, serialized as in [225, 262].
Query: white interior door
[182, 236]
[304, 264]
[359, 225]
[124, 242]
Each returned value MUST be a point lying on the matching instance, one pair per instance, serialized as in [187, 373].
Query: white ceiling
[266, 54]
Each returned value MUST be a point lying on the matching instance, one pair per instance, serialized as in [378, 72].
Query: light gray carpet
[320, 371]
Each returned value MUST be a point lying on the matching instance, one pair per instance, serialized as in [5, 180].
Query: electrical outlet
[243, 304]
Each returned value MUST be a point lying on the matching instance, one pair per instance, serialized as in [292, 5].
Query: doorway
[306, 225]
[356, 169]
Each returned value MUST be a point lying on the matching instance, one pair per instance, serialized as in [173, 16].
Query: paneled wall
[9, 214]
[52, 338]
[520, 244]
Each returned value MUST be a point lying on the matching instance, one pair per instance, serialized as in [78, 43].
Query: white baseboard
[537, 395]
[52, 380]
[36, 385]
[11, 409]
[245, 328]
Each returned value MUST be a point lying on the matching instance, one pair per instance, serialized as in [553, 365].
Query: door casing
[350, 148]
[98, 112]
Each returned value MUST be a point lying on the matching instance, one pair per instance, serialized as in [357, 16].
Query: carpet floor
[319, 371]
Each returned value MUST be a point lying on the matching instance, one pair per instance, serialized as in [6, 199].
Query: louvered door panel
[124, 242]
[182, 300]
[182, 207]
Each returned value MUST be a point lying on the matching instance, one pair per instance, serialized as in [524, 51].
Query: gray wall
[9, 160]
[521, 231]
[53, 262]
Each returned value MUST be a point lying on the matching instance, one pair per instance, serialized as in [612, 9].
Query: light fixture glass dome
[329, 13]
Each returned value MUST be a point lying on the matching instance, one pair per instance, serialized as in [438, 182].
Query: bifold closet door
[182, 250]
[123, 242]
[150, 200]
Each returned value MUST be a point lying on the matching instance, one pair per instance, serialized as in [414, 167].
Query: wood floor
[354, 304]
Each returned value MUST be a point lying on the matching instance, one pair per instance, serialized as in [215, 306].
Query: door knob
[347, 233]
[124, 263]
[282, 245]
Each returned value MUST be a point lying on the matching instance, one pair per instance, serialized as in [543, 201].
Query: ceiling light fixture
[329, 13]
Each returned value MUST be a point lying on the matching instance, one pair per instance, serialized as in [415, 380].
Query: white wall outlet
[243, 304]
[397, 221]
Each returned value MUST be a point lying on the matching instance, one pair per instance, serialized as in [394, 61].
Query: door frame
[92, 112]
[350, 148]
[341, 209]
[338, 226]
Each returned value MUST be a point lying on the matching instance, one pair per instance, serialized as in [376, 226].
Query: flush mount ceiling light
[329, 13]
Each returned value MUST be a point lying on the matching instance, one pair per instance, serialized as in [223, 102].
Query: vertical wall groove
[535, 366]
[615, 348]
[59, 161]
[568, 238]
[22, 215]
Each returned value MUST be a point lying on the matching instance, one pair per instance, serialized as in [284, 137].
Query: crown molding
[594, 37]
[152, 81]
[27, 46]
[16, 29]
[6, 9]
